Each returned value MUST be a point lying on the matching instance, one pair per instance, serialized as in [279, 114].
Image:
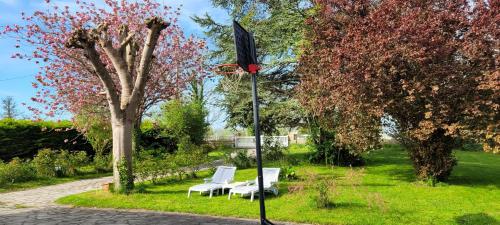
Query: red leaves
[419, 63]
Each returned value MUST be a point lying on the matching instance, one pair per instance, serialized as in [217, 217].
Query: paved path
[45, 196]
[36, 206]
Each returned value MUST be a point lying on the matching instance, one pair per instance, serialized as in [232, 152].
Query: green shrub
[3, 174]
[188, 159]
[102, 163]
[328, 151]
[23, 138]
[152, 164]
[140, 188]
[240, 159]
[288, 173]
[209, 147]
[272, 150]
[323, 197]
[197, 156]
[184, 119]
[152, 138]
[126, 181]
[68, 163]
[180, 162]
[16, 171]
[51, 164]
[331, 154]
[44, 163]
[94, 123]
[150, 167]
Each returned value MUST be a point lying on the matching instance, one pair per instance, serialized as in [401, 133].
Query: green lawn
[383, 192]
[86, 173]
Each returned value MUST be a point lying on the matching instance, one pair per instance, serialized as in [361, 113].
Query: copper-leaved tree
[430, 66]
[131, 55]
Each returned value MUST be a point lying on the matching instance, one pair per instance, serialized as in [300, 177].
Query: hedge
[23, 138]
[152, 138]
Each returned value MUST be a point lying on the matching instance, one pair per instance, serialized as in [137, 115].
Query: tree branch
[81, 38]
[118, 62]
[106, 79]
[155, 25]
[126, 41]
[130, 55]
[127, 49]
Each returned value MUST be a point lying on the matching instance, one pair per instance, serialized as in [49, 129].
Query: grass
[86, 173]
[19, 206]
[383, 192]
[219, 152]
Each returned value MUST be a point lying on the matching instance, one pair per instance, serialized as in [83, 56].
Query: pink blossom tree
[131, 55]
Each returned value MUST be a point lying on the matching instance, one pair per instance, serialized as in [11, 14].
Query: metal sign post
[247, 60]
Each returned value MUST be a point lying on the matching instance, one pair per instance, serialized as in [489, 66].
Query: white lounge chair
[270, 177]
[223, 175]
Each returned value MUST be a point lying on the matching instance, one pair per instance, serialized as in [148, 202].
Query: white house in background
[249, 141]
[295, 138]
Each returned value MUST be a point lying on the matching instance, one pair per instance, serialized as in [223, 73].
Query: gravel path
[36, 206]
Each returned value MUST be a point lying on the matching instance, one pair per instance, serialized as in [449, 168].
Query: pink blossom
[67, 79]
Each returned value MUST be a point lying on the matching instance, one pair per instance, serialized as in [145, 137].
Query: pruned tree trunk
[122, 153]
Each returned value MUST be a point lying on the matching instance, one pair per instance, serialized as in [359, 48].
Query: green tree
[181, 120]
[93, 122]
[279, 32]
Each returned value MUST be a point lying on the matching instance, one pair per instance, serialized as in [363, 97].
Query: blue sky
[16, 75]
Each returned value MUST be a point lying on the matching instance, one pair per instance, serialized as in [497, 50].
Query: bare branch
[126, 41]
[80, 38]
[118, 62]
[130, 55]
[123, 31]
[128, 48]
[83, 39]
[155, 25]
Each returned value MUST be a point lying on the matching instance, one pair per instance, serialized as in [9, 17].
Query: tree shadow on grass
[476, 219]
[267, 195]
[473, 181]
[389, 155]
[470, 173]
[392, 161]
[402, 172]
[397, 160]
[406, 175]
